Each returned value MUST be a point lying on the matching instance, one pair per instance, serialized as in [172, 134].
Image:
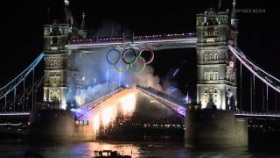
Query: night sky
[22, 28]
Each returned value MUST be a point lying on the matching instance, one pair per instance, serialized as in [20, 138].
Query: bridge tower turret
[55, 74]
[83, 31]
[216, 69]
[234, 23]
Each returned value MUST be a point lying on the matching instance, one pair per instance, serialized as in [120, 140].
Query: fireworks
[123, 103]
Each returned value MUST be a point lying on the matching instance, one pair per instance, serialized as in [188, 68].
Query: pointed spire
[83, 25]
[219, 4]
[234, 20]
[233, 11]
[66, 2]
[68, 15]
[82, 31]
[48, 15]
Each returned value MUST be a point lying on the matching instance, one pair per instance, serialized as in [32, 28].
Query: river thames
[16, 149]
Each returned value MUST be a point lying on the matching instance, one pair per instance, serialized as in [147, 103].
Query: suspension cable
[20, 78]
[235, 52]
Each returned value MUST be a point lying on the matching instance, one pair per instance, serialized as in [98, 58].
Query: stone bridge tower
[56, 36]
[58, 66]
[216, 66]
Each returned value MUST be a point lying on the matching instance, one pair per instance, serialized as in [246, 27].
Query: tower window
[216, 56]
[206, 90]
[211, 76]
[205, 57]
[205, 76]
[51, 62]
[210, 31]
[211, 57]
[55, 62]
[211, 89]
[217, 76]
[55, 40]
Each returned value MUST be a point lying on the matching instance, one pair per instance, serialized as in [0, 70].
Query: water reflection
[136, 149]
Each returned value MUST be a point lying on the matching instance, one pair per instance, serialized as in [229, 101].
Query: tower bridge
[216, 66]
[65, 85]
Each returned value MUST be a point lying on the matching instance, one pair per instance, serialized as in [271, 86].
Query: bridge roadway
[154, 42]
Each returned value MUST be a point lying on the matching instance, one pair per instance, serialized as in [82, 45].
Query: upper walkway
[154, 42]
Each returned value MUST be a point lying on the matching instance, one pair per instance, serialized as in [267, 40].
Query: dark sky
[22, 23]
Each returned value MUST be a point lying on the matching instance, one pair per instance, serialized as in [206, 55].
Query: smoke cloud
[97, 77]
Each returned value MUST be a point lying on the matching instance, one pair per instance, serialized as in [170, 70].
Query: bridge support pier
[55, 125]
[209, 128]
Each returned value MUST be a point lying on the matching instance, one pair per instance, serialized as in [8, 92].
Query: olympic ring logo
[130, 58]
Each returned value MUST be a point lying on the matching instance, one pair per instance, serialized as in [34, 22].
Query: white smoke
[97, 77]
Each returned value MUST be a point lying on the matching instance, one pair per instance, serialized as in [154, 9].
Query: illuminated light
[203, 104]
[76, 110]
[259, 115]
[77, 122]
[105, 113]
[14, 114]
[96, 123]
[86, 122]
[188, 40]
[10, 124]
[106, 147]
[108, 115]
[231, 64]
[79, 99]
[63, 104]
[128, 104]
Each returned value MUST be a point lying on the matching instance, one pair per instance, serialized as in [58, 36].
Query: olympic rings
[116, 59]
[124, 69]
[152, 55]
[129, 57]
[141, 67]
